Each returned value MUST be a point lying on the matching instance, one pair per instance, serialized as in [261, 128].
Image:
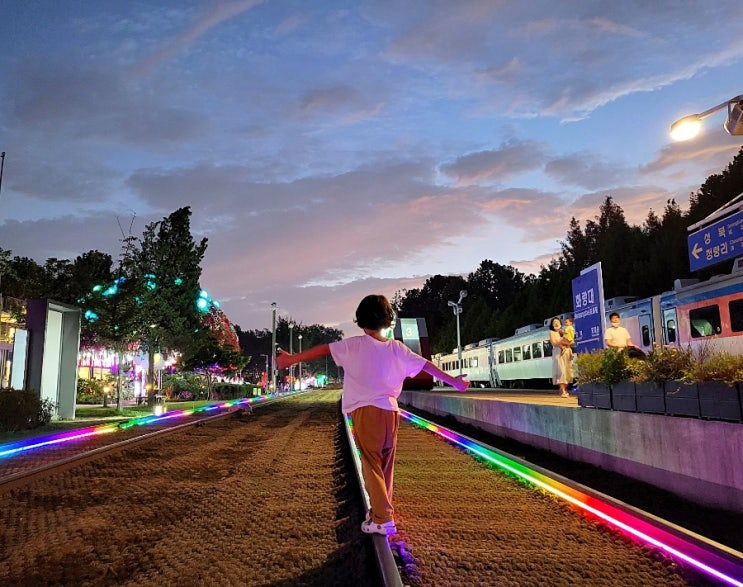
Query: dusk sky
[332, 149]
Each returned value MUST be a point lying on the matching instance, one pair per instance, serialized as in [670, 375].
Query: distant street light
[291, 351]
[300, 363]
[688, 127]
[457, 306]
[274, 307]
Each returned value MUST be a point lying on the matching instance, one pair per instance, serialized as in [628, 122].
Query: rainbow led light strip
[728, 569]
[13, 449]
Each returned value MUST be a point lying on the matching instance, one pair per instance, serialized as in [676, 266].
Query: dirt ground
[269, 499]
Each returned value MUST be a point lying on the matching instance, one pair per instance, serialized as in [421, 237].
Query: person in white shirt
[374, 369]
[617, 336]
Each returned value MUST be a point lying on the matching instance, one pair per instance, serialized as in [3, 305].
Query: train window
[509, 356]
[517, 353]
[547, 347]
[536, 350]
[671, 331]
[501, 357]
[526, 352]
[736, 315]
[705, 321]
[645, 335]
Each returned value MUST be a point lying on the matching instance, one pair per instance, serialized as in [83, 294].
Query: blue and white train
[693, 314]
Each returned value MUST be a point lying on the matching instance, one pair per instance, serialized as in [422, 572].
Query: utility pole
[274, 307]
[2, 165]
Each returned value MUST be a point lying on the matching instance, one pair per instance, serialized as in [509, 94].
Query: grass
[86, 416]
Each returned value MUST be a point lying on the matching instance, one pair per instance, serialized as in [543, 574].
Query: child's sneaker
[385, 529]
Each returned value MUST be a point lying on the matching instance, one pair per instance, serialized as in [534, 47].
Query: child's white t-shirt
[373, 371]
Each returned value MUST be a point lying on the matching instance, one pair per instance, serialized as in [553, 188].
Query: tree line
[146, 298]
[636, 260]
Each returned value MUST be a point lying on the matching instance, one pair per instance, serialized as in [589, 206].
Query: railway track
[269, 499]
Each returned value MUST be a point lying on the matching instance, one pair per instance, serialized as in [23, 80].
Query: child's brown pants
[376, 437]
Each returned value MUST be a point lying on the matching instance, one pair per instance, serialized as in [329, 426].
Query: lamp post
[300, 363]
[687, 127]
[262, 355]
[291, 351]
[274, 307]
[2, 165]
[457, 307]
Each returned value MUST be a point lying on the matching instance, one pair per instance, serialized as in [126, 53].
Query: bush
[664, 363]
[588, 367]
[23, 410]
[715, 366]
[179, 386]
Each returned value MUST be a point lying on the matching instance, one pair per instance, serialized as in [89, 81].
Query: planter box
[602, 396]
[719, 401]
[682, 399]
[585, 395]
[650, 397]
[623, 396]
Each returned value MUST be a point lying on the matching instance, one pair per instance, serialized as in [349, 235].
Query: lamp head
[734, 123]
[686, 128]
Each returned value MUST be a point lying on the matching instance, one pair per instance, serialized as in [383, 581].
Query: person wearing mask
[617, 336]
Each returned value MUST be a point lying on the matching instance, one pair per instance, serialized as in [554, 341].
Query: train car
[705, 314]
[477, 363]
[694, 314]
[524, 359]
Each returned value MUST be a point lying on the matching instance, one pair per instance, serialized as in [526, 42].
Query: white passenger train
[692, 314]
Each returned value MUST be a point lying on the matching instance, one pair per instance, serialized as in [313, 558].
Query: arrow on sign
[696, 250]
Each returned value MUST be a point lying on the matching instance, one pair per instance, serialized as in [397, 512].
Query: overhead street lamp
[688, 127]
[457, 306]
[274, 307]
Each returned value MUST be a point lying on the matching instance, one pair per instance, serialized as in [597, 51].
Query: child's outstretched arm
[459, 382]
[284, 359]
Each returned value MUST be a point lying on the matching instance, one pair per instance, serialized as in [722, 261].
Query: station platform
[695, 459]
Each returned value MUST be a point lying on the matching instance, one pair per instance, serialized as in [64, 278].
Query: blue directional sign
[717, 242]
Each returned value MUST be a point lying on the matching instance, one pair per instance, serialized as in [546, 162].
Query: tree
[166, 271]
[206, 355]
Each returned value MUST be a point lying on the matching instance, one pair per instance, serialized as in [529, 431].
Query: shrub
[588, 367]
[23, 410]
[615, 366]
[663, 363]
[174, 386]
[715, 366]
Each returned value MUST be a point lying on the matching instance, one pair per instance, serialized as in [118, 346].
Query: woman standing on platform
[562, 364]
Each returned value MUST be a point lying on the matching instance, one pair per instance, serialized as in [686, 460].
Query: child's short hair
[375, 312]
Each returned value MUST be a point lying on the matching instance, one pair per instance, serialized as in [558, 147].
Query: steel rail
[383, 553]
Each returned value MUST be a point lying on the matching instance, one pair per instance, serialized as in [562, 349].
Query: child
[569, 334]
[374, 369]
